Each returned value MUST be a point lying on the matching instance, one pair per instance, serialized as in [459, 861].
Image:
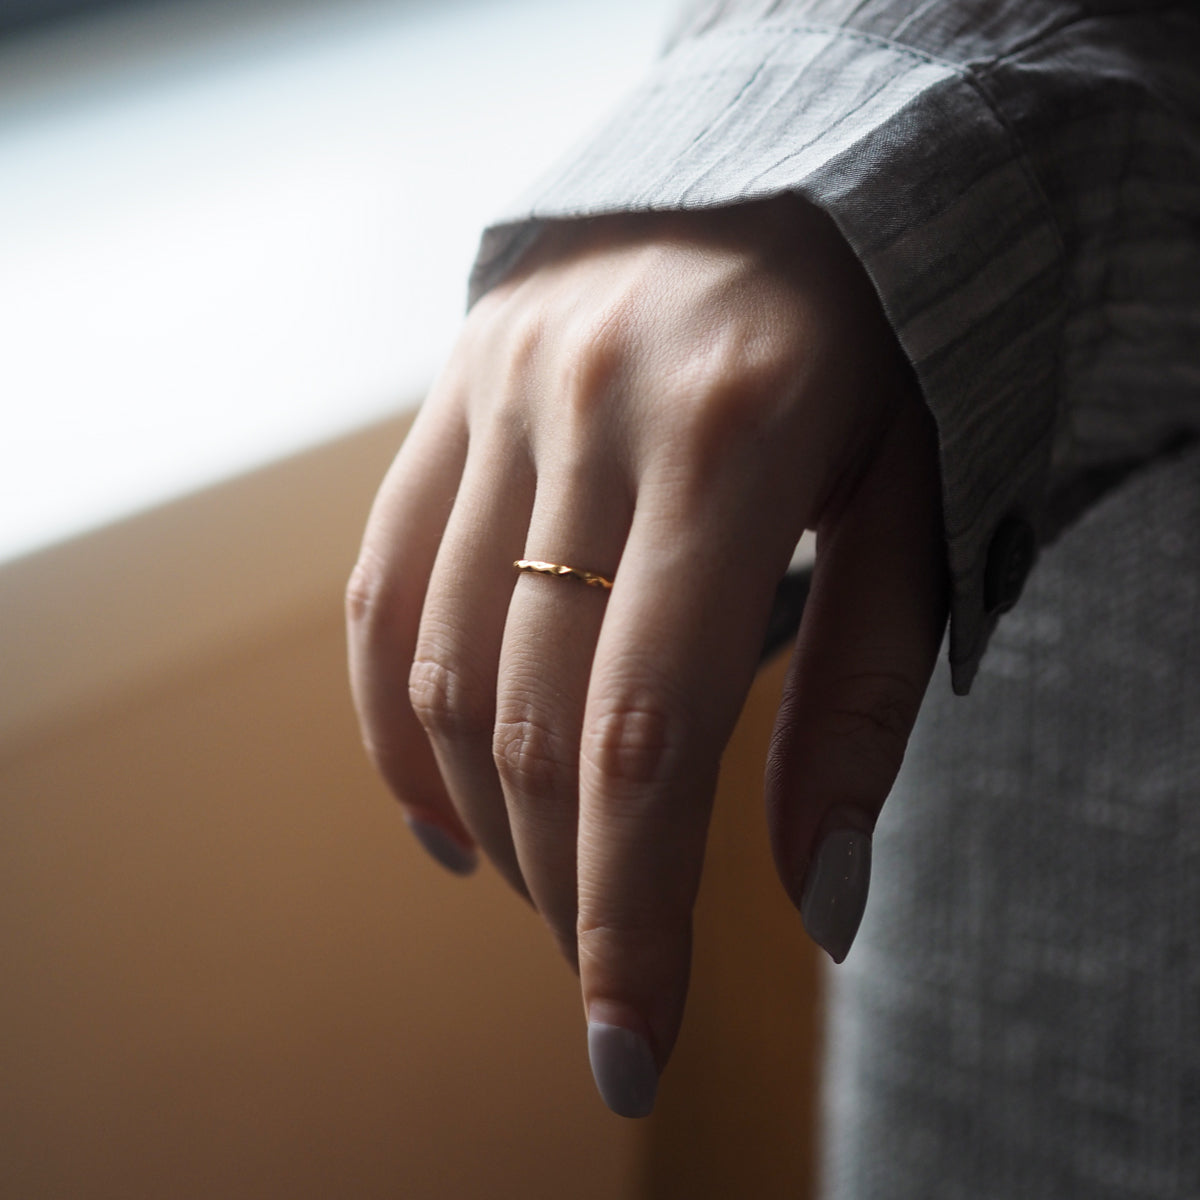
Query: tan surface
[228, 972]
[127, 606]
[737, 1107]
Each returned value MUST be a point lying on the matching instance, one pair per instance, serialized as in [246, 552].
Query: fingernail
[439, 845]
[624, 1069]
[835, 890]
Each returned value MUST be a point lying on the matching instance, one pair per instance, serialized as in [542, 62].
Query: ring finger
[580, 519]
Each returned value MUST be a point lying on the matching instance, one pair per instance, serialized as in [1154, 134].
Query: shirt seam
[840, 31]
[971, 74]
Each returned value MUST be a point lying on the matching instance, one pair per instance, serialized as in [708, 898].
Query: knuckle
[515, 354]
[738, 391]
[508, 346]
[632, 742]
[737, 358]
[365, 591]
[641, 939]
[724, 402]
[874, 714]
[600, 938]
[524, 338]
[384, 755]
[592, 353]
[530, 756]
[445, 700]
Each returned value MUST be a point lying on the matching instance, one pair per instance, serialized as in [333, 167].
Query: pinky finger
[384, 599]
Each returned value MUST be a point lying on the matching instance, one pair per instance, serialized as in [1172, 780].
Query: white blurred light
[237, 246]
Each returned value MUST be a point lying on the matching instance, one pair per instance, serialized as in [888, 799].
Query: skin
[669, 399]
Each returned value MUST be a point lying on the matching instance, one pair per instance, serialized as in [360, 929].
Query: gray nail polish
[439, 845]
[835, 890]
[624, 1069]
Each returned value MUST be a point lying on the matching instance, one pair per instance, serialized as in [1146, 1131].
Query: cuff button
[1009, 560]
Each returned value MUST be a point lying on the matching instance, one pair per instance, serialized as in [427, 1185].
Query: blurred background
[234, 242]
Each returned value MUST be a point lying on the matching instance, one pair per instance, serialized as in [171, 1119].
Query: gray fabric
[1020, 1016]
[1021, 180]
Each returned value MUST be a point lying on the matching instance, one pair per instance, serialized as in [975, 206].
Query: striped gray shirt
[1021, 181]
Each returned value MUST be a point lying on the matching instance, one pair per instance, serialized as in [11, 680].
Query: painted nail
[439, 845]
[624, 1070]
[835, 890]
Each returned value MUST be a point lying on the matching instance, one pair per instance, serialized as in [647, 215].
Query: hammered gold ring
[547, 568]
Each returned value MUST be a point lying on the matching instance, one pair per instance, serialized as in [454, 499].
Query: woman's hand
[668, 400]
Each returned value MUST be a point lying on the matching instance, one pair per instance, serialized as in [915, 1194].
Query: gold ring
[545, 568]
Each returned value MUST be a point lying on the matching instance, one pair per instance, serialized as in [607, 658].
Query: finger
[675, 659]
[580, 518]
[866, 648]
[384, 599]
[452, 685]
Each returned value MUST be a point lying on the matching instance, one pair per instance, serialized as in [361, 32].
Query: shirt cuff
[931, 190]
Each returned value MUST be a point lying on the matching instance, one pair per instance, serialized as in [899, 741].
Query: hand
[668, 400]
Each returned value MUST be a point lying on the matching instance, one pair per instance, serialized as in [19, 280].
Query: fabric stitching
[743, 31]
[740, 93]
[841, 119]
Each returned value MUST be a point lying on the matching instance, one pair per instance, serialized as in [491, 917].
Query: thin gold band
[545, 568]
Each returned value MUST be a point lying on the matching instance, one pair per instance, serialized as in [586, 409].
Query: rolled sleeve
[914, 146]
